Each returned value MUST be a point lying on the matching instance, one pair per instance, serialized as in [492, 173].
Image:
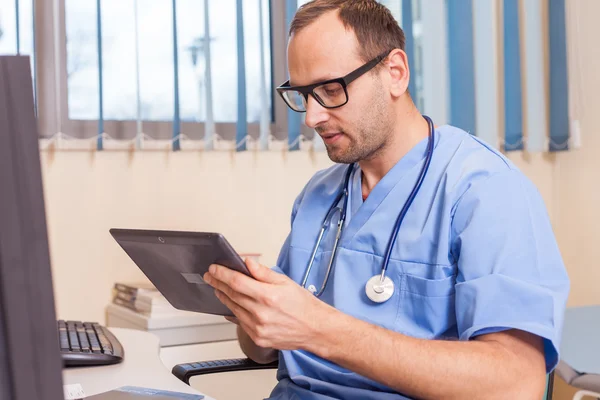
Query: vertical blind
[294, 118]
[154, 32]
[513, 105]
[497, 69]
[461, 64]
[524, 105]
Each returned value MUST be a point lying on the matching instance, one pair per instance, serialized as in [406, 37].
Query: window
[16, 28]
[133, 93]
[136, 80]
[154, 47]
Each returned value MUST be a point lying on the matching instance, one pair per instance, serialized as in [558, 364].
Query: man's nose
[316, 114]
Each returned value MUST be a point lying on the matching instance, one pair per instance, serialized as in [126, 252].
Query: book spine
[120, 287]
[126, 296]
[124, 303]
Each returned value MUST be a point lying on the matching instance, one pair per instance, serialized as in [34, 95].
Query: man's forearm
[430, 369]
[256, 353]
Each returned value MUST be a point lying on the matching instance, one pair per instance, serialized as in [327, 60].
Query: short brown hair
[374, 25]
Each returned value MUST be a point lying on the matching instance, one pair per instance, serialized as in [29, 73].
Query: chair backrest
[549, 386]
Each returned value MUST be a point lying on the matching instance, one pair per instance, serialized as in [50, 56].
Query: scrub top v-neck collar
[360, 211]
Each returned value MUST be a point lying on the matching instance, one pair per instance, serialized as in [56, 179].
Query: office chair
[587, 385]
[186, 371]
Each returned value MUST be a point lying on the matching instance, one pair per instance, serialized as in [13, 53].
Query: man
[478, 287]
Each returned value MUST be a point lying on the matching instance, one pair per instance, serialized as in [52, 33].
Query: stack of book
[142, 298]
[141, 306]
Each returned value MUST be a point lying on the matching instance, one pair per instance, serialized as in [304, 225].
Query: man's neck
[407, 134]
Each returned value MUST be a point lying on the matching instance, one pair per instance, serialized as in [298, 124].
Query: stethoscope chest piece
[378, 291]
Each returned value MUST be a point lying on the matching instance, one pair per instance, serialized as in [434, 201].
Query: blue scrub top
[475, 254]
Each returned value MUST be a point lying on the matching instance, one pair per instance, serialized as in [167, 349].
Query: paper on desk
[73, 392]
[138, 393]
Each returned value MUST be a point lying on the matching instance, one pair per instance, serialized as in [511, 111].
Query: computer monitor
[30, 364]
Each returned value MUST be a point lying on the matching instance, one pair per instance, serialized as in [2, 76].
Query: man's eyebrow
[320, 79]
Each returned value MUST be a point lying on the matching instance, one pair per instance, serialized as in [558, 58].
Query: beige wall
[248, 197]
[569, 181]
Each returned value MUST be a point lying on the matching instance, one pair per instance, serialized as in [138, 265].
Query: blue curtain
[461, 64]
[407, 27]
[294, 118]
[100, 140]
[18, 28]
[513, 112]
[176, 116]
[241, 127]
[559, 86]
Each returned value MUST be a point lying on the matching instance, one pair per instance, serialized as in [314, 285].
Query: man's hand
[271, 308]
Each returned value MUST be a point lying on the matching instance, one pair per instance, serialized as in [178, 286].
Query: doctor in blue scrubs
[444, 279]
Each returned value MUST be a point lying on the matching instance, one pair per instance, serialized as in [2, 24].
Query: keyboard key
[96, 349]
[63, 339]
[105, 343]
[74, 340]
[83, 340]
[91, 333]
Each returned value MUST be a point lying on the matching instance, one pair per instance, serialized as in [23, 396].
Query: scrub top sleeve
[510, 271]
[282, 265]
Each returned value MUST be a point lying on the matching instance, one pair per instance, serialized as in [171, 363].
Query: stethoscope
[379, 288]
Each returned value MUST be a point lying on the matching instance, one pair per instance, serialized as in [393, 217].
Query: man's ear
[397, 66]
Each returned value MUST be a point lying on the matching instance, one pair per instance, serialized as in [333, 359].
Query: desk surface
[141, 366]
[580, 344]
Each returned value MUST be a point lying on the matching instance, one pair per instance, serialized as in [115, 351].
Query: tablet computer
[175, 262]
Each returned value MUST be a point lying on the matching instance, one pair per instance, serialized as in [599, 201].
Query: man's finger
[262, 273]
[239, 298]
[240, 313]
[236, 281]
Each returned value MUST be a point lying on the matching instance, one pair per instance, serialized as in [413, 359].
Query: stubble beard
[368, 139]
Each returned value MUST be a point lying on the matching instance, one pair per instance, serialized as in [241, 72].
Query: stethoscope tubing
[344, 193]
[411, 197]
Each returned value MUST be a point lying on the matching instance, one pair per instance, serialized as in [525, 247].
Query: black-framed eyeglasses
[332, 93]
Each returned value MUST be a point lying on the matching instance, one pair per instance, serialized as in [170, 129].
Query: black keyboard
[87, 343]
